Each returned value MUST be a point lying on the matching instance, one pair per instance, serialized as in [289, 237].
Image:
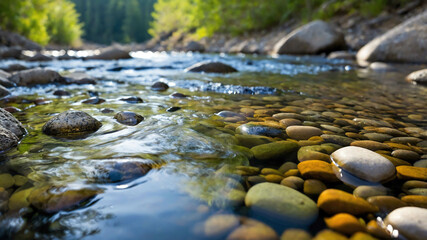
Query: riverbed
[189, 154]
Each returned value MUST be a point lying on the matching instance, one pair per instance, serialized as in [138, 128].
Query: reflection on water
[174, 169]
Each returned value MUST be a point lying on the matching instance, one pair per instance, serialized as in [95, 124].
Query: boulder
[128, 118]
[5, 82]
[194, 46]
[9, 122]
[211, 67]
[312, 38]
[10, 52]
[418, 77]
[3, 91]
[111, 53]
[7, 139]
[35, 76]
[407, 42]
[14, 39]
[71, 122]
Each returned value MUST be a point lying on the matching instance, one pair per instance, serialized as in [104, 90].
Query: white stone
[411, 222]
[364, 163]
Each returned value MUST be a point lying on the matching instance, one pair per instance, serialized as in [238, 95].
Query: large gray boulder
[312, 38]
[407, 42]
[35, 76]
[7, 139]
[9, 122]
[71, 123]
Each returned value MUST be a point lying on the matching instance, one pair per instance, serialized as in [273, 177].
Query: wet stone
[290, 122]
[131, 99]
[294, 181]
[159, 86]
[10, 123]
[344, 223]
[71, 122]
[6, 180]
[12, 109]
[211, 67]
[178, 95]
[327, 234]
[379, 137]
[173, 109]
[107, 110]
[411, 173]
[128, 118]
[369, 191]
[259, 129]
[51, 199]
[295, 234]
[220, 225]
[406, 155]
[7, 139]
[250, 141]
[286, 203]
[406, 140]
[313, 187]
[274, 151]
[251, 230]
[416, 228]
[364, 163]
[336, 139]
[386, 204]
[94, 100]
[61, 93]
[415, 200]
[371, 145]
[315, 169]
[421, 163]
[302, 132]
[35, 76]
[334, 201]
[287, 166]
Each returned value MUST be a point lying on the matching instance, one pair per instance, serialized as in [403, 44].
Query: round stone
[219, 225]
[10, 123]
[253, 230]
[364, 163]
[303, 132]
[259, 129]
[317, 169]
[274, 151]
[411, 222]
[386, 204]
[277, 200]
[344, 223]
[71, 122]
[371, 145]
[406, 155]
[313, 187]
[159, 86]
[7, 139]
[294, 233]
[6, 180]
[414, 173]
[336, 201]
[369, 191]
[128, 118]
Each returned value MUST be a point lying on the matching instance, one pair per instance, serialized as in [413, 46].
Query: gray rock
[6, 83]
[71, 123]
[411, 222]
[128, 118]
[3, 91]
[4, 74]
[9, 122]
[111, 53]
[342, 55]
[7, 139]
[10, 52]
[14, 39]
[418, 77]
[312, 38]
[35, 76]
[364, 163]
[39, 57]
[407, 42]
[211, 67]
[284, 202]
[336, 139]
[194, 46]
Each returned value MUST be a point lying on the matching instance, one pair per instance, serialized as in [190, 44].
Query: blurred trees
[206, 17]
[107, 21]
[42, 21]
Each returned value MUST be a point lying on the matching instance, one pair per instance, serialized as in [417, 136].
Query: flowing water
[188, 154]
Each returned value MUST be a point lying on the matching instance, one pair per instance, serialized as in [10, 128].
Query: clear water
[185, 149]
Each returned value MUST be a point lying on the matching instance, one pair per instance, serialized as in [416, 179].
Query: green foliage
[107, 21]
[206, 17]
[42, 21]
